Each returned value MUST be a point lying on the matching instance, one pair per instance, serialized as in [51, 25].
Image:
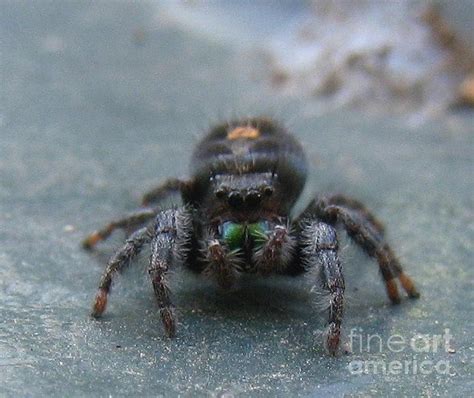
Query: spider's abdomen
[251, 147]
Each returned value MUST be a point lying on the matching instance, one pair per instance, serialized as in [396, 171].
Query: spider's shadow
[276, 299]
[252, 295]
[263, 298]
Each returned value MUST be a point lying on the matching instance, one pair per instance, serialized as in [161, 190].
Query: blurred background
[403, 57]
[100, 101]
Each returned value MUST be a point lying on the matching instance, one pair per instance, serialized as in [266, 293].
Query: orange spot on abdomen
[243, 132]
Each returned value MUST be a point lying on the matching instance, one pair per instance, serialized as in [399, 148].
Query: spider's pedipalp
[221, 263]
[276, 251]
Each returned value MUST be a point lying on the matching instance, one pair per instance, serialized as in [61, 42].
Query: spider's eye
[253, 198]
[268, 190]
[220, 193]
[235, 199]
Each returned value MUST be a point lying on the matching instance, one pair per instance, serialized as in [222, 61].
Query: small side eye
[220, 193]
[268, 191]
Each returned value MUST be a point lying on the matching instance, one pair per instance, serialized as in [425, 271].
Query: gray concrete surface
[101, 101]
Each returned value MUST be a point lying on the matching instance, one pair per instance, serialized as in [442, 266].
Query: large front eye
[253, 198]
[235, 199]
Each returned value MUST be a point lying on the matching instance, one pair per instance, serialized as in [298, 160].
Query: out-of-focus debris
[466, 91]
[390, 57]
[139, 36]
[446, 37]
[279, 77]
[68, 228]
[383, 57]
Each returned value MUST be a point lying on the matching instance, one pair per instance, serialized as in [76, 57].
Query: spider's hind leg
[360, 210]
[162, 191]
[134, 220]
[367, 232]
[139, 217]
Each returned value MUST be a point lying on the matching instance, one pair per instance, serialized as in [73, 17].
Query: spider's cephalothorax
[235, 218]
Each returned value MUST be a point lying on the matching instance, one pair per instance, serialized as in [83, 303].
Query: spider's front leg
[170, 244]
[117, 263]
[320, 248]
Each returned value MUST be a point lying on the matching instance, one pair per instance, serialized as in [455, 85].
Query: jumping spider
[235, 218]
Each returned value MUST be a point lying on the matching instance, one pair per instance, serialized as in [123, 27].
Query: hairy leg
[360, 210]
[319, 247]
[170, 186]
[135, 219]
[367, 235]
[139, 217]
[172, 232]
[117, 263]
